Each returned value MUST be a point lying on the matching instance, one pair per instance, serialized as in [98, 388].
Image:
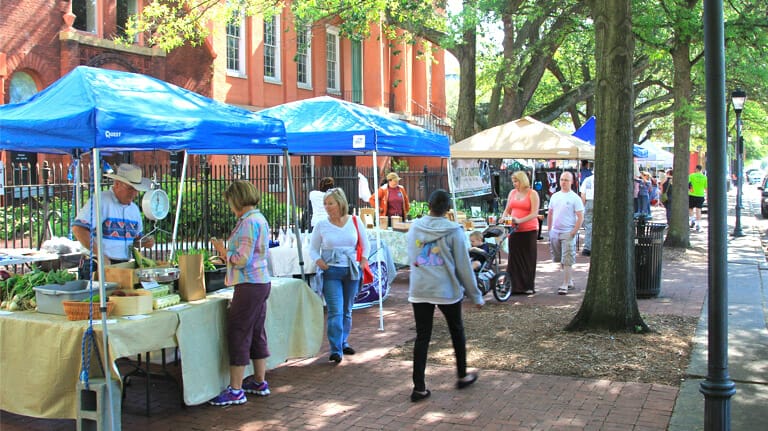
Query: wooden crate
[124, 274]
[139, 303]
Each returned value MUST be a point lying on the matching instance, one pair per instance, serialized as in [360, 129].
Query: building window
[125, 10]
[272, 49]
[23, 86]
[275, 173]
[304, 58]
[85, 15]
[332, 59]
[236, 46]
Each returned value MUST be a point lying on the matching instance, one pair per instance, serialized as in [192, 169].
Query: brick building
[250, 63]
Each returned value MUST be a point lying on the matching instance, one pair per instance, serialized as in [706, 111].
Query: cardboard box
[401, 226]
[368, 215]
[140, 302]
[124, 274]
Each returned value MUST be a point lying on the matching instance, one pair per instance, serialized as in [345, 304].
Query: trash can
[649, 246]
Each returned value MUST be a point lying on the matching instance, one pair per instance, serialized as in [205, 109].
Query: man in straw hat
[120, 219]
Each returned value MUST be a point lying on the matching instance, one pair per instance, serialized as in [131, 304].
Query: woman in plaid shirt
[246, 257]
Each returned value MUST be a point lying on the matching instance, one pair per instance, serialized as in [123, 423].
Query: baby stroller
[488, 275]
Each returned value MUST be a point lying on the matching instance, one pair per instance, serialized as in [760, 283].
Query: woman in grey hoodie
[441, 274]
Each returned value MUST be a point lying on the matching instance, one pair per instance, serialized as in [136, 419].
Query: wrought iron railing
[32, 213]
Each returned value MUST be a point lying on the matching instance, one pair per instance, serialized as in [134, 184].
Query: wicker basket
[78, 310]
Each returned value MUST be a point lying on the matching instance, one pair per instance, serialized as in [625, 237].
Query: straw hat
[392, 176]
[131, 175]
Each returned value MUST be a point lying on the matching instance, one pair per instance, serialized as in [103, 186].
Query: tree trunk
[465, 111]
[678, 234]
[609, 301]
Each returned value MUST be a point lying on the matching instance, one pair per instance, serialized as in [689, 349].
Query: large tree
[609, 301]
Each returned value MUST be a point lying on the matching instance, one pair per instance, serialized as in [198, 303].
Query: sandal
[417, 396]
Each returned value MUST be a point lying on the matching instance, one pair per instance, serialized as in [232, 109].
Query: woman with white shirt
[316, 200]
[333, 248]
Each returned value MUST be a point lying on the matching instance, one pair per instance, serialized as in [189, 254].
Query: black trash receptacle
[649, 246]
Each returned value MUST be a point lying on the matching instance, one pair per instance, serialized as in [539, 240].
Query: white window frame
[275, 35]
[133, 7]
[275, 181]
[304, 58]
[92, 13]
[240, 71]
[333, 66]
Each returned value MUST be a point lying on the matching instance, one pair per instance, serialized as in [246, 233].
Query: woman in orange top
[393, 200]
[523, 209]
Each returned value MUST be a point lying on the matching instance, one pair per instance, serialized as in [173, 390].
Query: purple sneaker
[260, 389]
[228, 397]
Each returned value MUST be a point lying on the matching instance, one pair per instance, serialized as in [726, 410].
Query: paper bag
[191, 277]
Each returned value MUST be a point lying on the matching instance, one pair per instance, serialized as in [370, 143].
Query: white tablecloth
[284, 261]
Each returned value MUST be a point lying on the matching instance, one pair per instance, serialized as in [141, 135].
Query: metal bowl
[160, 275]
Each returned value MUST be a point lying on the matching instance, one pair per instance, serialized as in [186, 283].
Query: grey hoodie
[441, 272]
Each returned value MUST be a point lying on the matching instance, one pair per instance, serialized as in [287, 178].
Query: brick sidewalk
[367, 391]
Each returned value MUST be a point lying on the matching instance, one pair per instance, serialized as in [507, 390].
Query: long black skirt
[521, 264]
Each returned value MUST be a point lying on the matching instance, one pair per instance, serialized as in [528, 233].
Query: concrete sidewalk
[368, 391]
[747, 338]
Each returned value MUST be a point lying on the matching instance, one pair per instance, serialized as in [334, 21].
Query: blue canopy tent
[330, 126]
[587, 133]
[92, 109]
[326, 125]
[111, 110]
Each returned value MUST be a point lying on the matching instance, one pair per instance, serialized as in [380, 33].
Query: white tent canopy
[524, 138]
[656, 154]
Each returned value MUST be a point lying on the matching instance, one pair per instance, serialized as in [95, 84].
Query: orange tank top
[521, 208]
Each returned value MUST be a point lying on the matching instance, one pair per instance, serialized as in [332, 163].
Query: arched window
[23, 86]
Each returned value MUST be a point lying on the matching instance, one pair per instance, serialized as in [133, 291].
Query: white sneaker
[571, 285]
[563, 290]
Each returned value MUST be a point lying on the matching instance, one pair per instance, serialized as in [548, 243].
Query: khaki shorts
[563, 248]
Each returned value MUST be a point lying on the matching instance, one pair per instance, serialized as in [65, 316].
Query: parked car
[763, 187]
[754, 176]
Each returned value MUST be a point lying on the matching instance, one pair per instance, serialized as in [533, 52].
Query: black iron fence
[32, 213]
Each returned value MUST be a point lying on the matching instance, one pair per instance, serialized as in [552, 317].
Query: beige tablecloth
[44, 351]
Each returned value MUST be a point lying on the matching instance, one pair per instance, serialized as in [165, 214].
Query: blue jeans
[339, 292]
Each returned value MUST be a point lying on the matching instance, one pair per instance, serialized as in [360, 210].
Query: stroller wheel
[502, 286]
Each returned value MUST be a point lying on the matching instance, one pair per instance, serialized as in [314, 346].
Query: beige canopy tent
[524, 138]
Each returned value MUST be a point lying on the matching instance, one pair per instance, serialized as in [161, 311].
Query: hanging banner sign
[471, 177]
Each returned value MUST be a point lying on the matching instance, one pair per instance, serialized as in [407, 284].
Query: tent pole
[183, 178]
[114, 422]
[451, 186]
[378, 236]
[296, 230]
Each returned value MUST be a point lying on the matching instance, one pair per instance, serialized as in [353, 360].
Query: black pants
[84, 267]
[423, 313]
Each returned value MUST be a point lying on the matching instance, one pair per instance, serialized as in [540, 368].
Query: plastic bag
[364, 191]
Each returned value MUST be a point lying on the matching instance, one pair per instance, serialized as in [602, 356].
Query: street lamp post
[738, 97]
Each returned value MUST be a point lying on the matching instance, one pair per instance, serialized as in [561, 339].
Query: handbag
[366, 269]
